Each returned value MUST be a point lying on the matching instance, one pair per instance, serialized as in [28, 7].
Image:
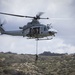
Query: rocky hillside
[51, 54]
[24, 64]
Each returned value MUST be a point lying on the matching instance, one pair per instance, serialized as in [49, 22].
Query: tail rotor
[2, 22]
[1, 26]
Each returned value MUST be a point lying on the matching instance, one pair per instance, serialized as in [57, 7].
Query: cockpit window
[45, 28]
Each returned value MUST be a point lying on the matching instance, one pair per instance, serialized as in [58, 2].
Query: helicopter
[33, 29]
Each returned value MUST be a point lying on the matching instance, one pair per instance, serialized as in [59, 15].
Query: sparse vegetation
[24, 64]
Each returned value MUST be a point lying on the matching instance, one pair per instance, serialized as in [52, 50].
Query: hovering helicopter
[33, 29]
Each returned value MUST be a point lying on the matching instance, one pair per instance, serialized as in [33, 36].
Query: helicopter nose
[52, 32]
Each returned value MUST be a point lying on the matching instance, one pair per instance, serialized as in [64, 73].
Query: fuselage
[33, 29]
[34, 32]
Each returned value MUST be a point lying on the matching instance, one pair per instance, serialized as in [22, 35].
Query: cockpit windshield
[45, 28]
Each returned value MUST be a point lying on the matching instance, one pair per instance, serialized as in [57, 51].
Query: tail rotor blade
[2, 22]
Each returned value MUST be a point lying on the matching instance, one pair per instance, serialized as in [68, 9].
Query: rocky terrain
[24, 64]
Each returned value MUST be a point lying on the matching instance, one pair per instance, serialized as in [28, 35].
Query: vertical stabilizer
[1, 29]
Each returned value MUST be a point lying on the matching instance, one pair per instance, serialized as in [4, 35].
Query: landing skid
[45, 39]
[40, 38]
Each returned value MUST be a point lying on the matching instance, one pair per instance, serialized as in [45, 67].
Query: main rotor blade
[37, 16]
[16, 15]
[40, 13]
[44, 18]
[11, 14]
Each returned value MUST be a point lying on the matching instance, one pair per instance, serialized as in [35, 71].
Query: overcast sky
[62, 17]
